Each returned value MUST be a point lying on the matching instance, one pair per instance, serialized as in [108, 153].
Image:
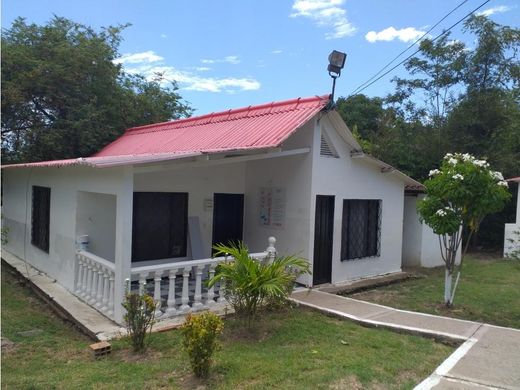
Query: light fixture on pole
[336, 63]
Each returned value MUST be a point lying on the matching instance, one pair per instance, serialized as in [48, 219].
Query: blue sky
[230, 53]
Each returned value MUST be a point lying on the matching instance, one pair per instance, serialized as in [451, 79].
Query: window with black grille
[159, 225]
[361, 228]
[40, 217]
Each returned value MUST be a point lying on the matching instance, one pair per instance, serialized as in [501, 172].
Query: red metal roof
[253, 127]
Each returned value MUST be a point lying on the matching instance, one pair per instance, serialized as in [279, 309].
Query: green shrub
[139, 318]
[251, 284]
[200, 340]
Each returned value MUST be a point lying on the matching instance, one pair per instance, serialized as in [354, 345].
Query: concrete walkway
[489, 357]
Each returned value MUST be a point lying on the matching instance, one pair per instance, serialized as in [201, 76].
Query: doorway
[323, 239]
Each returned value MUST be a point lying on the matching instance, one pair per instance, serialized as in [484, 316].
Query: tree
[460, 195]
[63, 96]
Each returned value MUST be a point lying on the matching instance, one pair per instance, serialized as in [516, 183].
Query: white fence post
[271, 250]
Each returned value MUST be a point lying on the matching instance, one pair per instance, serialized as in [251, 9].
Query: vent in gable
[326, 149]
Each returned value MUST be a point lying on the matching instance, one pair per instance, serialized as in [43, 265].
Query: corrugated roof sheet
[254, 127]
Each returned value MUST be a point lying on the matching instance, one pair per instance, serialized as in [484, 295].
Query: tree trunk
[448, 277]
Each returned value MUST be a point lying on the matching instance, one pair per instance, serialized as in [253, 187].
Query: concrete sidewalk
[489, 356]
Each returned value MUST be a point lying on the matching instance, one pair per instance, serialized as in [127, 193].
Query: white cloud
[138, 58]
[228, 59]
[152, 65]
[389, 34]
[164, 36]
[494, 10]
[325, 13]
[277, 52]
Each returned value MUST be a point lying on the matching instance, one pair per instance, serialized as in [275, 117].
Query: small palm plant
[251, 284]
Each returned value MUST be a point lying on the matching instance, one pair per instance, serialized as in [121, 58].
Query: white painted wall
[511, 229]
[200, 183]
[65, 183]
[412, 233]
[294, 175]
[96, 217]
[348, 178]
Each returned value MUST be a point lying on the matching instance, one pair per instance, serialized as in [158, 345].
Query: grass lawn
[488, 291]
[290, 350]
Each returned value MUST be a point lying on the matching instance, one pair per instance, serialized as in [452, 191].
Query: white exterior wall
[64, 183]
[511, 228]
[412, 233]
[293, 174]
[96, 217]
[200, 183]
[348, 178]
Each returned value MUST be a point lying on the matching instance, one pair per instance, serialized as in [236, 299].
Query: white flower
[497, 176]
[441, 213]
[503, 183]
[448, 155]
[449, 208]
[434, 172]
[453, 161]
[458, 176]
[481, 163]
[467, 157]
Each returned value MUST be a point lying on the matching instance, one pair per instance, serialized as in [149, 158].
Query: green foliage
[139, 318]
[63, 96]
[200, 334]
[462, 192]
[251, 284]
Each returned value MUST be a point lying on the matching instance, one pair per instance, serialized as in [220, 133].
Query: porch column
[123, 252]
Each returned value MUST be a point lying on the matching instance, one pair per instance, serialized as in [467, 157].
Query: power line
[409, 47]
[359, 89]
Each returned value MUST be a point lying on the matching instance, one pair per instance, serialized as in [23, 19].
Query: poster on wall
[272, 207]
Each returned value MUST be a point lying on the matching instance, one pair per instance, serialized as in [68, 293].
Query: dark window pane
[40, 217]
[159, 227]
[361, 228]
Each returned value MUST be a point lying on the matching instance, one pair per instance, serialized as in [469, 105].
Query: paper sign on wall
[272, 207]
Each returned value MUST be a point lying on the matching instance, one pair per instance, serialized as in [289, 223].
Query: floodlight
[336, 63]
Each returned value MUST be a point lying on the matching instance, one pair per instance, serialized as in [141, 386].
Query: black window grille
[361, 229]
[40, 217]
[159, 225]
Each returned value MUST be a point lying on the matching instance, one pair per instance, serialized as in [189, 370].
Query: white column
[85, 278]
[185, 299]
[90, 274]
[99, 296]
[110, 311]
[197, 304]
[79, 281]
[157, 293]
[142, 283]
[106, 290]
[271, 250]
[94, 286]
[210, 298]
[123, 252]
[171, 310]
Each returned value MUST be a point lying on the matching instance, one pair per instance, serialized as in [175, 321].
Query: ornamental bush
[250, 284]
[200, 332]
[460, 194]
[139, 318]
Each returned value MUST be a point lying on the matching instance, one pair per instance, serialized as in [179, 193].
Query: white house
[153, 202]
[512, 230]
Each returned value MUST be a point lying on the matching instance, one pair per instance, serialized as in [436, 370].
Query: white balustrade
[185, 282]
[95, 281]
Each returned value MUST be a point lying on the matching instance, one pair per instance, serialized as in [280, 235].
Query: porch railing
[177, 288]
[95, 281]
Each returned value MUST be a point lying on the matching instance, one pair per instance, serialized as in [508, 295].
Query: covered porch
[155, 234]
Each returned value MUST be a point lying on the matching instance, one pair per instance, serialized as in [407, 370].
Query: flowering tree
[461, 193]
